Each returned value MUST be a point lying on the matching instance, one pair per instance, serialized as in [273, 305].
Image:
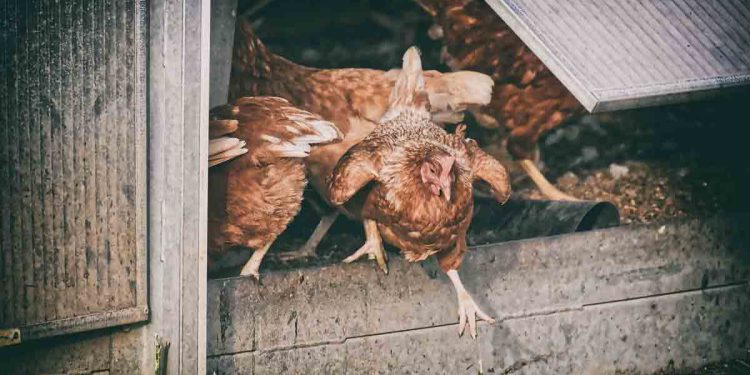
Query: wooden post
[178, 114]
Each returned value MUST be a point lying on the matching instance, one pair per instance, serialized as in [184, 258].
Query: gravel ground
[654, 164]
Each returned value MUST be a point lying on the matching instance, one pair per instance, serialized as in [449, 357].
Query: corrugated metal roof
[626, 54]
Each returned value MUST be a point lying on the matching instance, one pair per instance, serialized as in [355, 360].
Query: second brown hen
[415, 185]
[527, 99]
[254, 195]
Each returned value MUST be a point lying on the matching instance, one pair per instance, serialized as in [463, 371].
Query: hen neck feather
[401, 175]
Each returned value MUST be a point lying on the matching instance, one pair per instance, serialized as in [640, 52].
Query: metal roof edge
[550, 59]
[632, 102]
[700, 84]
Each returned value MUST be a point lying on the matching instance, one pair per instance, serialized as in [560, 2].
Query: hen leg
[549, 190]
[467, 308]
[373, 247]
[308, 249]
[327, 218]
[252, 266]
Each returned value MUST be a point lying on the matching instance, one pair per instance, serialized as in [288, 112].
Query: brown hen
[354, 99]
[527, 99]
[415, 185]
[252, 198]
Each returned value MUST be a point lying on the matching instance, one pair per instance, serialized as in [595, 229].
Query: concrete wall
[630, 298]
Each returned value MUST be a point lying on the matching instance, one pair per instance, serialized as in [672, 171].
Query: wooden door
[72, 166]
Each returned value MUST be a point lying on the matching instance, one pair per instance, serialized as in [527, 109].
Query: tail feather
[270, 128]
[219, 145]
[409, 90]
[292, 131]
[459, 90]
[316, 130]
[449, 94]
[223, 149]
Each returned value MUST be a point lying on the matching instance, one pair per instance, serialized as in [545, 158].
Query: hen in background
[354, 99]
[527, 100]
[258, 189]
[413, 185]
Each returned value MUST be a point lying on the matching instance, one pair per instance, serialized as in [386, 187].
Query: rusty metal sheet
[628, 54]
[73, 165]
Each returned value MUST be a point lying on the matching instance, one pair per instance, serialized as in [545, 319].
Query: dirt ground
[654, 164]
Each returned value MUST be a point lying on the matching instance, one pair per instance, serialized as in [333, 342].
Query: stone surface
[629, 298]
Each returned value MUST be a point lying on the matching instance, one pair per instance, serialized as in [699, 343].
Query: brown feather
[527, 100]
[390, 160]
[252, 198]
[354, 99]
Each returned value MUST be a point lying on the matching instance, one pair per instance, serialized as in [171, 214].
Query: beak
[446, 188]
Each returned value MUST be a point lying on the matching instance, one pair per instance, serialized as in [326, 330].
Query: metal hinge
[10, 336]
[162, 350]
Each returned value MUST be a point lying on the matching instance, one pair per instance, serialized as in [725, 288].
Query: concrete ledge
[629, 298]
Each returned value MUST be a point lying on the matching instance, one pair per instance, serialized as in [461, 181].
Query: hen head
[437, 172]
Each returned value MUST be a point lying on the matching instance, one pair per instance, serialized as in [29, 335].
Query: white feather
[219, 145]
[291, 150]
[270, 138]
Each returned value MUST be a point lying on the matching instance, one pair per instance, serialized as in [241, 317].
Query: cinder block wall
[629, 298]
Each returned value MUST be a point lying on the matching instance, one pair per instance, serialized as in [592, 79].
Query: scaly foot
[252, 267]
[373, 247]
[545, 187]
[468, 311]
[308, 249]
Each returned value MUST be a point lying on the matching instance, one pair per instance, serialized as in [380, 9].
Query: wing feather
[489, 170]
[354, 171]
[265, 128]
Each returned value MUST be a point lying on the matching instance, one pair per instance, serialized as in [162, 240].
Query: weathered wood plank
[139, 266]
[120, 156]
[196, 108]
[178, 141]
[173, 138]
[75, 122]
[26, 175]
[36, 152]
[105, 152]
[5, 259]
[109, 149]
[79, 354]
[49, 114]
[73, 219]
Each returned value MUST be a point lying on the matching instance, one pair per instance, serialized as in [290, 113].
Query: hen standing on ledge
[416, 183]
[353, 99]
[252, 199]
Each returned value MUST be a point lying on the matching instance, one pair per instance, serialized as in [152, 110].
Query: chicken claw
[467, 308]
[373, 247]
